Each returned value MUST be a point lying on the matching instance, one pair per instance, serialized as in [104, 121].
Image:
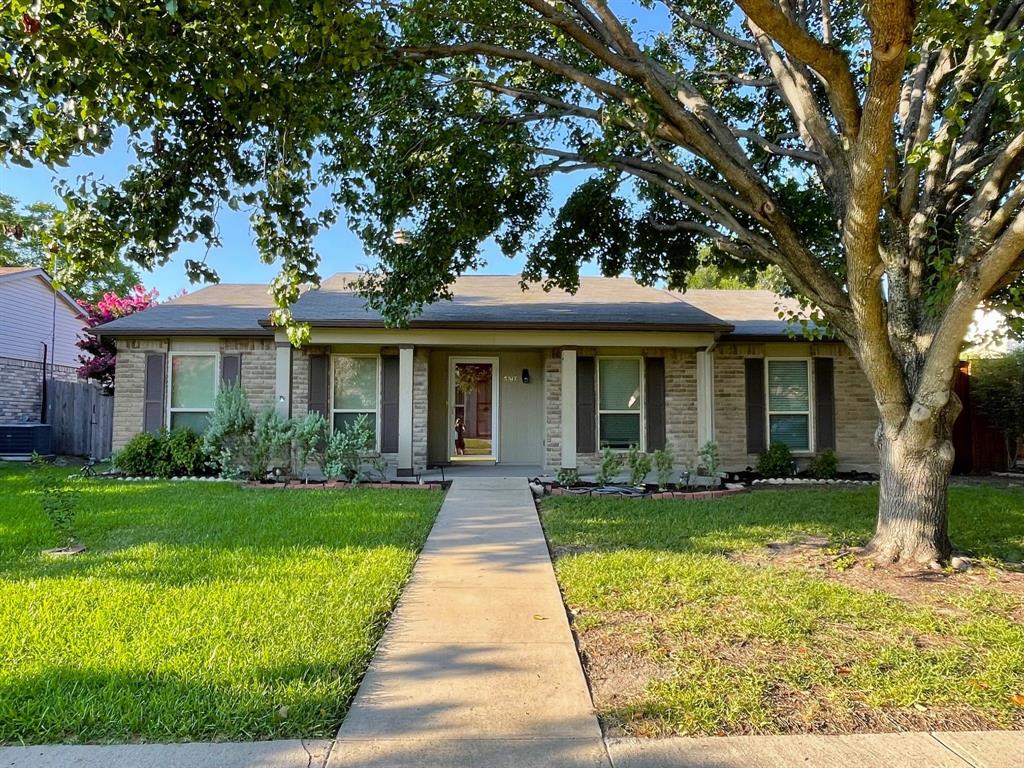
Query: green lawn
[200, 610]
[690, 625]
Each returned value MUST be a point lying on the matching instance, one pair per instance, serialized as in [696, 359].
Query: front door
[473, 409]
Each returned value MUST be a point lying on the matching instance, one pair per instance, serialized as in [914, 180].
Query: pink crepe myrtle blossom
[98, 359]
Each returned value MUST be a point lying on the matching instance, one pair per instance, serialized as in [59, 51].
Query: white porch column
[705, 396]
[283, 378]
[568, 409]
[405, 379]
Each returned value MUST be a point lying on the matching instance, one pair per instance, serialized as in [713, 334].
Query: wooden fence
[82, 418]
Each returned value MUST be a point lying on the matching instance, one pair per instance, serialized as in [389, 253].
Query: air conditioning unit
[20, 441]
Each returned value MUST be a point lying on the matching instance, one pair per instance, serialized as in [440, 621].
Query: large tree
[872, 151]
[26, 241]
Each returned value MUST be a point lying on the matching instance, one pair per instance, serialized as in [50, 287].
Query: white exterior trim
[568, 408]
[705, 396]
[282, 380]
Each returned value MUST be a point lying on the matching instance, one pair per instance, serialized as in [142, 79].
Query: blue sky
[236, 260]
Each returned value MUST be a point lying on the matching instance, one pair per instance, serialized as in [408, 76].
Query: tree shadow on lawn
[71, 704]
[985, 522]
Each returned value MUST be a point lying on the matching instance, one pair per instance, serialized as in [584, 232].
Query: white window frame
[642, 412]
[215, 354]
[768, 412]
[376, 409]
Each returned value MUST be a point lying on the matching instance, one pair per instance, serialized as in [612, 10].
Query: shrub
[777, 461]
[345, 450]
[59, 502]
[229, 435]
[183, 454]
[310, 435]
[611, 463]
[568, 477]
[271, 443]
[707, 459]
[138, 455]
[825, 465]
[997, 387]
[639, 466]
[663, 465]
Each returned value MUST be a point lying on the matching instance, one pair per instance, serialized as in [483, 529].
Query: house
[41, 328]
[532, 379]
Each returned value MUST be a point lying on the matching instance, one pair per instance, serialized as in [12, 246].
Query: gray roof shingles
[479, 301]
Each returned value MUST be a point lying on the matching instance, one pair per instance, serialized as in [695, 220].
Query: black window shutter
[654, 379]
[756, 438]
[319, 370]
[586, 406]
[389, 404]
[153, 392]
[824, 404]
[231, 369]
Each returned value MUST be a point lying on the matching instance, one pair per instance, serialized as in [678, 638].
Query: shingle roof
[479, 301]
[16, 270]
[499, 302]
[751, 313]
[225, 309]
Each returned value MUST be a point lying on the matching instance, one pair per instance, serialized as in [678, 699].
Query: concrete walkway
[478, 667]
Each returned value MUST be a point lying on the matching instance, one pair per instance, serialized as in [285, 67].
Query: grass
[689, 625]
[199, 611]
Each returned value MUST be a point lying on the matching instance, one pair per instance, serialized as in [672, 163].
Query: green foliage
[639, 466]
[59, 502]
[271, 443]
[229, 433]
[310, 434]
[26, 241]
[776, 461]
[824, 466]
[345, 455]
[138, 455]
[568, 477]
[176, 453]
[997, 387]
[664, 463]
[708, 461]
[610, 466]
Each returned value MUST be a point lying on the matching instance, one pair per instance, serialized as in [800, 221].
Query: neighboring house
[41, 326]
[534, 379]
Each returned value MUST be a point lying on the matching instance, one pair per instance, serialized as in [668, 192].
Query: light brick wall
[856, 414]
[21, 388]
[420, 382]
[129, 386]
[258, 364]
[552, 411]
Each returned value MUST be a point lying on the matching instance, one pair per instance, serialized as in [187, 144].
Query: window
[620, 401]
[789, 403]
[356, 388]
[193, 388]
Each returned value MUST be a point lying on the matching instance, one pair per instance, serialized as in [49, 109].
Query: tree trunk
[914, 467]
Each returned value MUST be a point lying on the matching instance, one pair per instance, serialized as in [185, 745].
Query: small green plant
[345, 450]
[271, 443]
[611, 464]
[639, 466]
[310, 435]
[138, 455]
[707, 459]
[568, 477]
[59, 502]
[229, 434]
[777, 461]
[663, 465]
[825, 465]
